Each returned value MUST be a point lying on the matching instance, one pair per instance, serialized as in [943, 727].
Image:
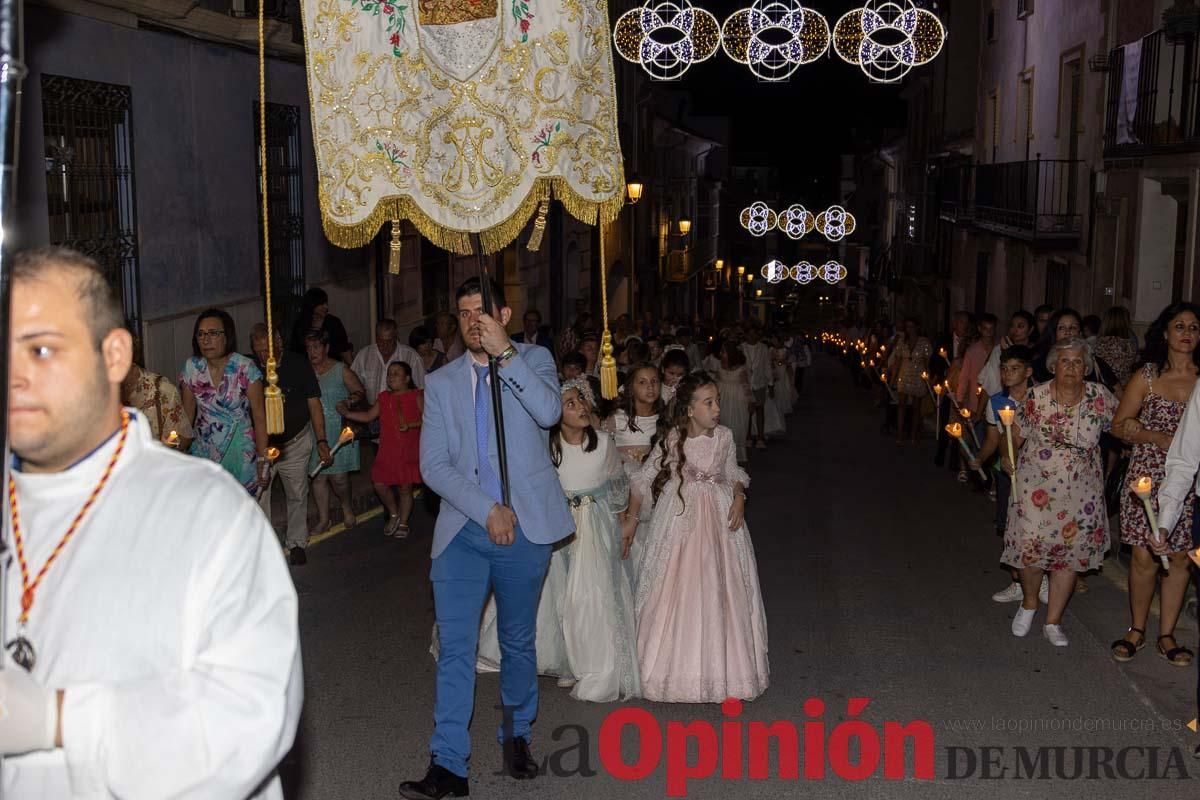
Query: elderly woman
[1057, 521]
[222, 393]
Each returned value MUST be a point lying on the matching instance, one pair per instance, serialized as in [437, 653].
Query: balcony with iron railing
[1152, 105]
[1038, 200]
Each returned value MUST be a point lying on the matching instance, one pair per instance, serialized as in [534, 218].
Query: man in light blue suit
[479, 544]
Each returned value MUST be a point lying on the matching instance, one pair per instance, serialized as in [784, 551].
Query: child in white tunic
[598, 624]
[634, 425]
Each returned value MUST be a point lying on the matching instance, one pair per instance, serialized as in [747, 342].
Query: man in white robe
[165, 632]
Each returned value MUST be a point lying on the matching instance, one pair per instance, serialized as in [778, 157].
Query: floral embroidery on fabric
[522, 16]
[542, 139]
[395, 19]
[396, 155]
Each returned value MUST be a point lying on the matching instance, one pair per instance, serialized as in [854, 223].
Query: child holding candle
[1016, 376]
[397, 465]
[701, 629]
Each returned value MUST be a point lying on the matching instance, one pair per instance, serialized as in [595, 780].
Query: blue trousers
[462, 575]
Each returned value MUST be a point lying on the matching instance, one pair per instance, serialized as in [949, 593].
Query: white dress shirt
[170, 621]
[1183, 461]
[371, 368]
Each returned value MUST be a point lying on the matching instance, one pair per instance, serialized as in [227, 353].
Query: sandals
[400, 532]
[1175, 656]
[1124, 650]
[394, 528]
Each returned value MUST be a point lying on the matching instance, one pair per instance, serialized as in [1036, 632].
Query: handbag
[1115, 486]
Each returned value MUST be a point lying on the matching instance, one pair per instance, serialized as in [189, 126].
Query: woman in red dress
[397, 465]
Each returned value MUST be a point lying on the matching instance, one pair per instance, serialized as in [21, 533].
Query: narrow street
[877, 572]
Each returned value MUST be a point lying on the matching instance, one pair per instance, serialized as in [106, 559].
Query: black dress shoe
[297, 557]
[438, 782]
[519, 759]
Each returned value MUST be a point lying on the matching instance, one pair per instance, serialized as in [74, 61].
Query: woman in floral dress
[1057, 521]
[1149, 415]
[910, 358]
[222, 392]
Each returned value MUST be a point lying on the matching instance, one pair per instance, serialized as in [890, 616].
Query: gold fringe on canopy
[492, 239]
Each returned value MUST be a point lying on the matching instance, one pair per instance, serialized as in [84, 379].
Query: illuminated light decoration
[804, 273]
[796, 221]
[758, 218]
[775, 271]
[835, 223]
[887, 38]
[774, 37]
[831, 272]
[666, 37]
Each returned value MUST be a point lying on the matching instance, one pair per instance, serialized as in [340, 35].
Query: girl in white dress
[598, 623]
[701, 629]
[736, 397]
[633, 426]
[785, 387]
[675, 364]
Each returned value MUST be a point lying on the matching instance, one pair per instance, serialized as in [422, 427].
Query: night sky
[802, 124]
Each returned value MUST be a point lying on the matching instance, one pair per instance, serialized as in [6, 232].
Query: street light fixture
[635, 188]
[758, 292]
[719, 264]
[685, 227]
[741, 270]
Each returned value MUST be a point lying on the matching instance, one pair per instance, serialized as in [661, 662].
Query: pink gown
[701, 628]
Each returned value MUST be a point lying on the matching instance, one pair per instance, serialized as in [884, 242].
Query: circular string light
[666, 37]
[887, 38]
[774, 37]
[758, 218]
[835, 223]
[796, 221]
[831, 272]
[775, 271]
[804, 273]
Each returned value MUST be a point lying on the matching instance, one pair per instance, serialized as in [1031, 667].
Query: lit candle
[937, 407]
[344, 438]
[965, 413]
[1142, 489]
[942, 353]
[1007, 414]
[173, 439]
[272, 454]
[955, 431]
[925, 378]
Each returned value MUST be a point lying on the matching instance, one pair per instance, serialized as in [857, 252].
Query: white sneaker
[1010, 595]
[1055, 634]
[566, 683]
[1044, 591]
[1023, 621]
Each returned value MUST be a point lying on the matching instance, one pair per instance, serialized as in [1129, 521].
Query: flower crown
[582, 386]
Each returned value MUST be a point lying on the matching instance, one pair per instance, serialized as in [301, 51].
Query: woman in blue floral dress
[222, 393]
[1057, 522]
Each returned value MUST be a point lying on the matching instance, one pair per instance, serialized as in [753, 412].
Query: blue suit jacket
[532, 404]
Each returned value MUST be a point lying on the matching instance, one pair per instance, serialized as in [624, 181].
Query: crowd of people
[1079, 432]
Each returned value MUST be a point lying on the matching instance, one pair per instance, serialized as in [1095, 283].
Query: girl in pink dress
[398, 463]
[701, 629]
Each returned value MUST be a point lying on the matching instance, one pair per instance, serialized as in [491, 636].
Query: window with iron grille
[1024, 8]
[88, 132]
[285, 205]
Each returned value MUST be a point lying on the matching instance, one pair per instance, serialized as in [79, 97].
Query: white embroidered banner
[461, 115]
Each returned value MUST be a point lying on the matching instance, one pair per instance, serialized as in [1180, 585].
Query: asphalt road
[876, 570]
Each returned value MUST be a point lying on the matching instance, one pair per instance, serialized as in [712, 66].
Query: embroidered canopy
[461, 115]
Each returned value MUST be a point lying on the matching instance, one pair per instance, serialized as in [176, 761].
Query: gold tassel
[394, 255]
[539, 227]
[608, 364]
[274, 398]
